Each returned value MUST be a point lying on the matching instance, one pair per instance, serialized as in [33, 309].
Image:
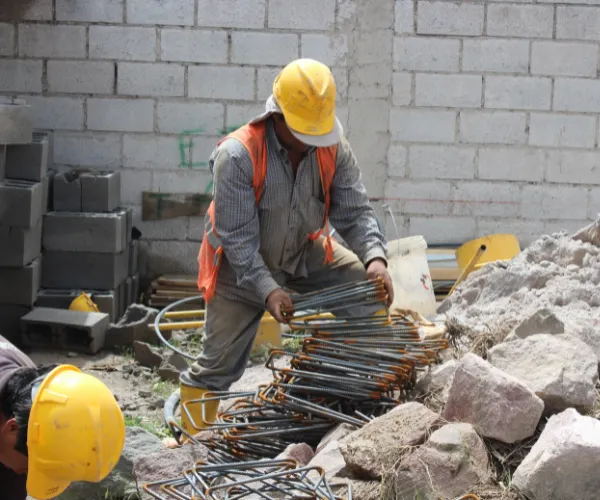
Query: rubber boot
[195, 416]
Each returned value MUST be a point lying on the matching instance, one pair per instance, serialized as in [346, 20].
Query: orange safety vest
[252, 136]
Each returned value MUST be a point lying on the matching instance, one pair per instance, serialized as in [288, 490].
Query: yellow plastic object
[498, 247]
[76, 432]
[190, 392]
[83, 303]
[305, 92]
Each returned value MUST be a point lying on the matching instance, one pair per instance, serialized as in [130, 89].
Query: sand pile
[551, 287]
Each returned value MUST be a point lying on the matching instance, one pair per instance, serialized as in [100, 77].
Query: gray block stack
[23, 202]
[87, 244]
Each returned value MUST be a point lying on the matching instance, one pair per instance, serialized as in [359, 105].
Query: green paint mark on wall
[186, 147]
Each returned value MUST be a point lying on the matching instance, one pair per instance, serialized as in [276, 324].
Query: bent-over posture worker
[57, 425]
[278, 182]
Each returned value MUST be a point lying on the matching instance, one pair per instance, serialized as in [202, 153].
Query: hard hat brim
[41, 487]
[321, 141]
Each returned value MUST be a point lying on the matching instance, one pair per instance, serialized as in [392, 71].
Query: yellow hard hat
[305, 92]
[76, 432]
[83, 302]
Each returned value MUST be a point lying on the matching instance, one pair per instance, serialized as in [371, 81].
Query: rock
[498, 405]
[449, 464]
[146, 355]
[361, 490]
[144, 394]
[542, 321]
[336, 434]
[330, 459]
[120, 483]
[560, 369]
[177, 361]
[564, 462]
[300, 452]
[168, 372]
[438, 378]
[379, 445]
[157, 404]
[167, 464]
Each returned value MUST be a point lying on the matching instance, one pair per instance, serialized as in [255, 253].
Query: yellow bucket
[269, 333]
[190, 391]
[498, 247]
[83, 303]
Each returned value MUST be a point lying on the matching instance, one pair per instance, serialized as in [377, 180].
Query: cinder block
[561, 130]
[446, 18]
[20, 75]
[426, 54]
[20, 246]
[495, 127]
[21, 203]
[28, 162]
[402, 89]
[88, 149]
[308, 15]
[221, 82]
[49, 40]
[10, 319]
[122, 43]
[152, 152]
[107, 303]
[81, 77]
[84, 270]
[514, 164]
[553, 202]
[575, 94]
[123, 298]
[582, 168]
[61, 113]
[7, 39]
[134, 249]
[123, 115]
[518, 92]
[100, 191]
[578, 23]
[66, 189]
[129, 291]
[85, 232]
[110, 11]
[564, 59]
[176, 12]
[16, 124]
[396, 167]
[19, 285]
[528, 21]
[452, 91]
[48, 195]
[443, 230]
[182, 46]
[57, 299]
[441, 162]
[486, 198]
[330, 50]
[2, 162]
[150, 79]
[372, 47]
[263, 48]
[249, 14]
[134, 326]
[419, 197]
[69, 330]
[264, 81]
[205, 117]
[422, 125]
[136, 288]
[496, 56]
[128, 224]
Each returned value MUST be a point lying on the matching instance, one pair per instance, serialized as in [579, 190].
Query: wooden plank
[178, 280]
[175, 293]
[160, 206]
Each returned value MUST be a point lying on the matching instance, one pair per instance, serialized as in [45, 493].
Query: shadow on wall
[13, 10]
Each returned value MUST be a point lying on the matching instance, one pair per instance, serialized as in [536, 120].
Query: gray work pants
[231, 325]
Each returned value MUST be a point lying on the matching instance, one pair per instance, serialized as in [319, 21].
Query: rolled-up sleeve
[351, 213]
[236, 218]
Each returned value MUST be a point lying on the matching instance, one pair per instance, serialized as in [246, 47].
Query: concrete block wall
[467, 118]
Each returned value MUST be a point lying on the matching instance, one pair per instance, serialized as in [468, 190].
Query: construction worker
[57, 425]
[278, 181]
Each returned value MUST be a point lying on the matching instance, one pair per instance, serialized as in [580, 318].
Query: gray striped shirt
[264, 244]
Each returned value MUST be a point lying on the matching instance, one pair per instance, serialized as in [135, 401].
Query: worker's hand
[377, 268]
[275, 301]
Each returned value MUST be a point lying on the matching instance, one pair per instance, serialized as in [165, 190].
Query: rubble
[146, 355]
[439, 378]
[300, 452]
[565, 460]
[379, 445]
[330, 458]
[498, 405]
[336, 434]
[561, 369]
[542, 321]
[449, 464]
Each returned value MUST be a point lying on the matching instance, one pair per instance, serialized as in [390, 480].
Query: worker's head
[63, 407]
[305, 93]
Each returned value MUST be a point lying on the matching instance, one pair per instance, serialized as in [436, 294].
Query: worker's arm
[236, 218]
[351, 213]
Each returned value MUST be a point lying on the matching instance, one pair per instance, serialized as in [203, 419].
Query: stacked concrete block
[23, 188]
[87, 243]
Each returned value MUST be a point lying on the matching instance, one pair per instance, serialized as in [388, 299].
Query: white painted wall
[468, 118]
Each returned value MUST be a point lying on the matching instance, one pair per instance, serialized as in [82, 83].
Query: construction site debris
[542, 321]
[378, 446]
[133, 327]
[561, 369]
[498, 405]
[170, 288]
[564, 462]
[336, 434]
[557, 273]
[438, 378]
[146, 355]
[453, 460]
[331, 460]
[300, 452]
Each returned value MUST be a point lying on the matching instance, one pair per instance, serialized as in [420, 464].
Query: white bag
[408, 267]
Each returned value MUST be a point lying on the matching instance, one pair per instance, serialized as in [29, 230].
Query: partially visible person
[57, 425]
